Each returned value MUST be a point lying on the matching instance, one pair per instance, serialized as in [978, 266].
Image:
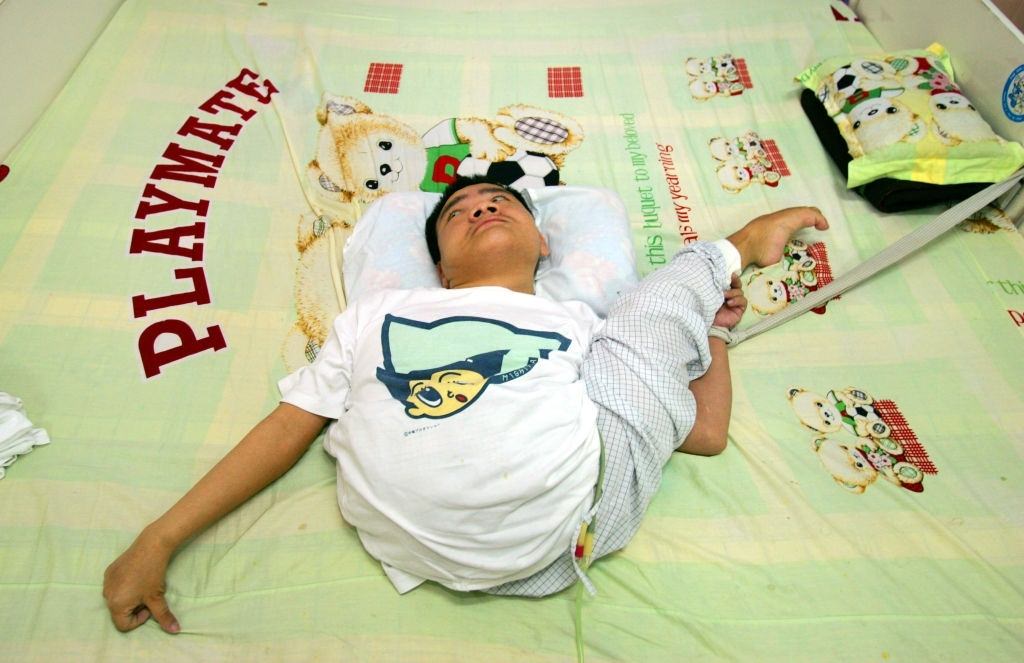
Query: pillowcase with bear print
[902, 116]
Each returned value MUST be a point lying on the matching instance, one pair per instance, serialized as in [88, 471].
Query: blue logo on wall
[1013, 95]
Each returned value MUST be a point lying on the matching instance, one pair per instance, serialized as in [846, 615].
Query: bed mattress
[163, 233]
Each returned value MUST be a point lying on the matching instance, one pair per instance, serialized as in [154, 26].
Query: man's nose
[485, 208]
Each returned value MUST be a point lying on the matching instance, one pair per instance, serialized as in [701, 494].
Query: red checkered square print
[778, 163]
[822, 270]
[565, 82]
[741, 69]
[383, 78]
[913, 451]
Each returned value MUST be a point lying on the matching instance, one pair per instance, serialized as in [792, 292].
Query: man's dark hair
[430, 230]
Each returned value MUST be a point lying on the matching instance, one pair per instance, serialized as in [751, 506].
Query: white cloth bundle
[17, 434]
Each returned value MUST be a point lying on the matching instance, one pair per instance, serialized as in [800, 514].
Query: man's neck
[515, 285]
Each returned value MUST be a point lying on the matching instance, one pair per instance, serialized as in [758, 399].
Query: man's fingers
[126, 619]
[162, 614]
[140, 616]
[817, 219]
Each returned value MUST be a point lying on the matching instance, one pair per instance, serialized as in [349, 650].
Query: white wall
[41, 43]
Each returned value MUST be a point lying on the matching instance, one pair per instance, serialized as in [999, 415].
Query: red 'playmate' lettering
[188, 344]
[177, 340]
[210, 131]
[222, 101]
[168, 241]
[200, 293]
[168, 203]
[187, 164]
[251, 88]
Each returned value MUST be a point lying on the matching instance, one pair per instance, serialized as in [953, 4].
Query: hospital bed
[172, 223]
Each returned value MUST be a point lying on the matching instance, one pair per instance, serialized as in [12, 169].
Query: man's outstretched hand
[735, 304]
[134, 588]
[762, 241]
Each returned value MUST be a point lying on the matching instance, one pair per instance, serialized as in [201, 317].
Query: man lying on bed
[470, 419]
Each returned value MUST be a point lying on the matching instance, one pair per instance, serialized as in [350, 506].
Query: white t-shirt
[466, 446]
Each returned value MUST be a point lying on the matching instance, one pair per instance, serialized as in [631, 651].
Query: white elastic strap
[890, 255]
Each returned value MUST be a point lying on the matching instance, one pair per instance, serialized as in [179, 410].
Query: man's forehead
[483, 188]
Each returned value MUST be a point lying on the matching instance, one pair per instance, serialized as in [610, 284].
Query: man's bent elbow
[704, 443]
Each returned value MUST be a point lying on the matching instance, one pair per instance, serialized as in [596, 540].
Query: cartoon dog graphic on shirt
[438, 369]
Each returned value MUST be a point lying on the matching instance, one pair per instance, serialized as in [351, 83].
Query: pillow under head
[587, 229]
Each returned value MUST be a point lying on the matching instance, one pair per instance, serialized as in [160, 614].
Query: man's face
[484, 223]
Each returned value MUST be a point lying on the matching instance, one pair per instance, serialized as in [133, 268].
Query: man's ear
[545, 250]
[445, 283]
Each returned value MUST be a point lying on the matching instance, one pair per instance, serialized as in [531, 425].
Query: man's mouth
[488, 221]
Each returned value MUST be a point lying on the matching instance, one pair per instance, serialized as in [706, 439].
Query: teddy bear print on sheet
[361, 155]
[747, 159]
[717, 76]
[803, 269]
[859, 438]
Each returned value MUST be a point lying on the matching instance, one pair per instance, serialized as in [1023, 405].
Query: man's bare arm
[713, 390]
[134, 584]
[713, 393]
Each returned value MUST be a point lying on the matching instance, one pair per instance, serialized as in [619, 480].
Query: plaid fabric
[383, 78]
[822, 268]
[655, 341]
[775, 156]
[541, 130]
[913, 451]
[564, 82]
[345, 109]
